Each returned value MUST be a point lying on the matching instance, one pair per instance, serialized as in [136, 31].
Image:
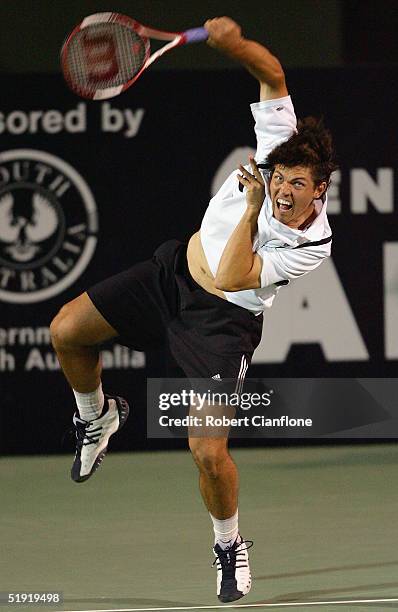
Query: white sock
[90, 405]
[225, 531]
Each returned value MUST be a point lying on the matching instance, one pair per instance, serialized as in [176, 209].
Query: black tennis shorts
[157, 302]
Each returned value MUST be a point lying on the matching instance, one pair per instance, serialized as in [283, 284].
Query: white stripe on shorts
[242, 373]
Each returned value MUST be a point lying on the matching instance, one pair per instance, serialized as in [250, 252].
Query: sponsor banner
[48, 225]
[87, 189]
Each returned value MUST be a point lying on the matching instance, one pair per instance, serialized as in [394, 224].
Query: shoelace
[78, 432]
[228, 558]
[85, 438]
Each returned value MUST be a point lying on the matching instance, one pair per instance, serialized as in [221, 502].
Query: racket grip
[195, 35]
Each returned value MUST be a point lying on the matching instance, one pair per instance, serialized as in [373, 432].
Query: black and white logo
[48, 225]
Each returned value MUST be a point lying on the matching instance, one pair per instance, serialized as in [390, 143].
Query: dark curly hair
[310, 146]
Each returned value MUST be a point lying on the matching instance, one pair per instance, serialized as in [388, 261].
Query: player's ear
[320, 190]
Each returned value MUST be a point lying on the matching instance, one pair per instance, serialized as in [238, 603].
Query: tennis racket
[107, 52]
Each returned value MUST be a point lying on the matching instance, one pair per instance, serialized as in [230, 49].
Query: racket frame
[174, 39]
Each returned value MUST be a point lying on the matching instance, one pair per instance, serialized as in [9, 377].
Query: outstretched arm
[226, 36]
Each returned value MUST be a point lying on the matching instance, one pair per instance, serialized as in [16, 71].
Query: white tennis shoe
[92, 437]
[233, 571]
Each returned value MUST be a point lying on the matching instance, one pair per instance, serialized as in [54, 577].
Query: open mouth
[283, 205]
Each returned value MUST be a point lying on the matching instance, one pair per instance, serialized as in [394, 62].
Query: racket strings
[105, 55]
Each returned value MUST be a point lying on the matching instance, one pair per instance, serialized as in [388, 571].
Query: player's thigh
[80, 323]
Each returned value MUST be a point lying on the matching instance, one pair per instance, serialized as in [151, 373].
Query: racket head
[104, 55]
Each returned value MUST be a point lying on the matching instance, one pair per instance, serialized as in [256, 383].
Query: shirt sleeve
[286, 264]
[275, 122]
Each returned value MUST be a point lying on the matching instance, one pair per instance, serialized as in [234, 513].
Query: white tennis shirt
[282, 249]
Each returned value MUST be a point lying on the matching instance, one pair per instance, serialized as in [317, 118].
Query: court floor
[324, 521]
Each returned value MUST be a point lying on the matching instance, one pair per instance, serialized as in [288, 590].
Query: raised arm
[226, 36]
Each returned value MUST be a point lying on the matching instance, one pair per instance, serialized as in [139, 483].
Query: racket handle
[195, 35]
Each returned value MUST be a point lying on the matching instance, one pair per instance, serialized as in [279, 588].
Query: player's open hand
[255, 187]
[224, 33]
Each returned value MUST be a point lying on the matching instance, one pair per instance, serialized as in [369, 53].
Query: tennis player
[265, 226]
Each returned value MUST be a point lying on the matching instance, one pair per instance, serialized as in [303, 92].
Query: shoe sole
[124, 411]
[229, 599]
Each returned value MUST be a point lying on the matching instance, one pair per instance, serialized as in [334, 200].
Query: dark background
[300, 32]
[340, 59]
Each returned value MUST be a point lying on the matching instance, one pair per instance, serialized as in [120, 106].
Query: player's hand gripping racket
[107, 52]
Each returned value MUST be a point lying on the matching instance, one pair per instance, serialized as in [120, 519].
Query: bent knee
[65, 328]
[208, 455]
[79, 323]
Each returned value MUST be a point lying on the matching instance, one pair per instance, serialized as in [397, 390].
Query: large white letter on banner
[390, 252]
[313, 309]
[364, 189]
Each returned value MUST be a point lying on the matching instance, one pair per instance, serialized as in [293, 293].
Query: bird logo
[24, 231]
[48, 225]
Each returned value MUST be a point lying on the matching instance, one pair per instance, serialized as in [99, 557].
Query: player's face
[293, 192]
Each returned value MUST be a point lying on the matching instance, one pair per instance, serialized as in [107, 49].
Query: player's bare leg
[76, 332]
[218, 476]
[219, 487]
